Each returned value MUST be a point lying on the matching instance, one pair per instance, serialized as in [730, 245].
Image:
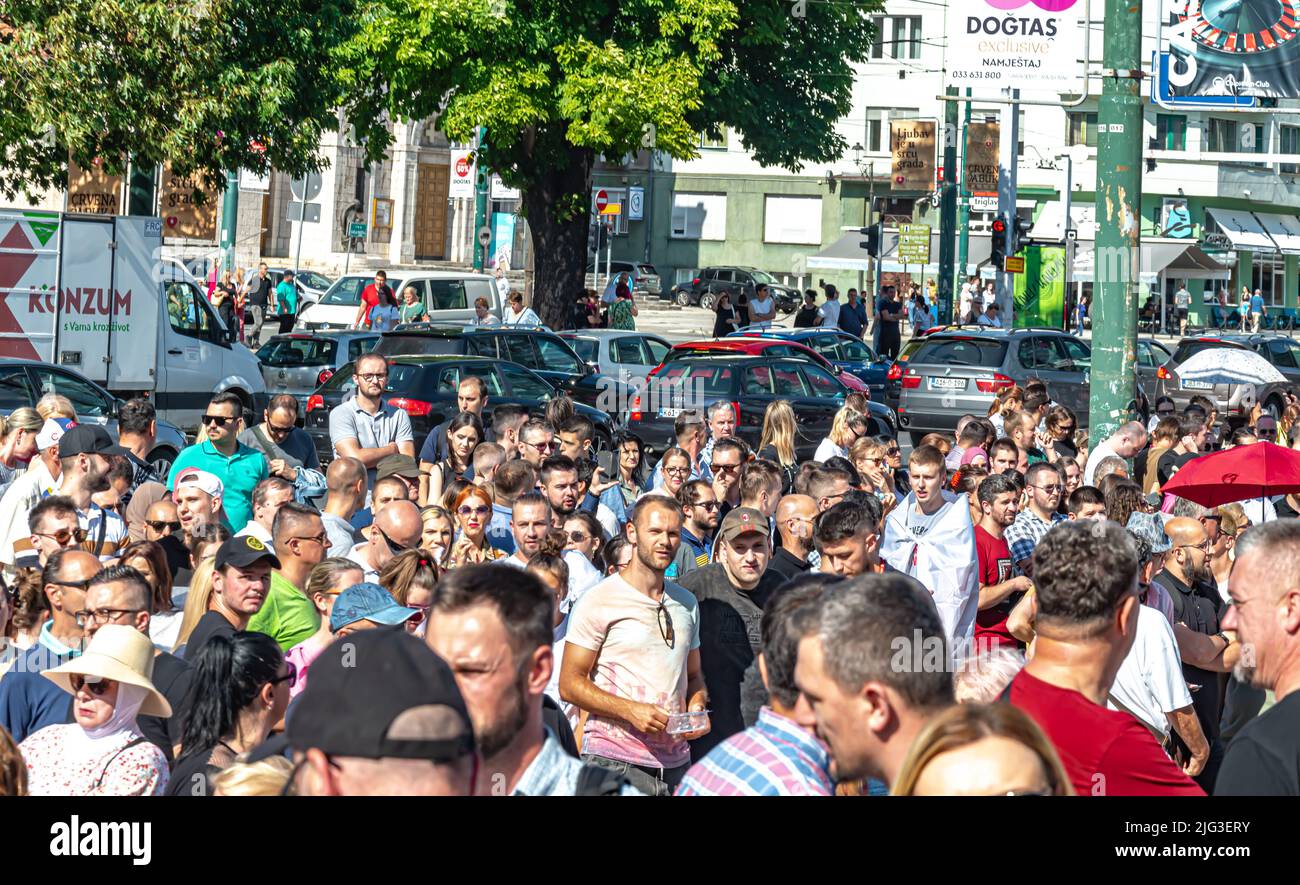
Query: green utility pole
[229, 220]
[480, 200]
[141, 188]
[963, 225]
[948, 208]
[1119, 196]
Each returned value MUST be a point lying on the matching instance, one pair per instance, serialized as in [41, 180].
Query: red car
[770, 347]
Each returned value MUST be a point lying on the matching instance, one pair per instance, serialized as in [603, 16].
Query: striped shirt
[775, 757]
[1023, 535]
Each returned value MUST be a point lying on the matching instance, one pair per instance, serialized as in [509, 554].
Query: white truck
[94, 293]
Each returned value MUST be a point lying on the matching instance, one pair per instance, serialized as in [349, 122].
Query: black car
[750, 383]
[532, 347]
[425, 386]
[710, 282]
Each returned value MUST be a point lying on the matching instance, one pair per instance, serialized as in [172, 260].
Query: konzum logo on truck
[82, 300]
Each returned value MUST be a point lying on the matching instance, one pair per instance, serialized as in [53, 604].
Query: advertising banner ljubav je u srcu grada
[1035, 46]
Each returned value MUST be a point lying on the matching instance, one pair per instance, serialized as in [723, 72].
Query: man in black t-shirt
[888, 314]
[1264, 757]
[241, 578]
[259, 299]
[1192, 433]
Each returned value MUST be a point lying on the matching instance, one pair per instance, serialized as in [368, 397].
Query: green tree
[204, 84]
[557, 84]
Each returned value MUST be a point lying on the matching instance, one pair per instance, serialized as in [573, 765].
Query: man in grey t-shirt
[367, 428]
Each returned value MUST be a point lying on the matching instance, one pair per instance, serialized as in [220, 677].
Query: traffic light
[998, 242]
[1020, 227]
[1152, 144]
[872, 241]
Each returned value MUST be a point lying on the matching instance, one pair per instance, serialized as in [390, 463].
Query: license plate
[947, 383]
[669, 413]
[1197, 385]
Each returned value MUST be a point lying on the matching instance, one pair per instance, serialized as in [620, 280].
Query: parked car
[704, 289]
[448, 296]
[954, 372]
[768, 347]
[750, 383]
[535, 348]
[300, 362]
[1151, 355]
[645, 279]
[311, 286]
[1233, 399]
[618, 353]
[23, 382]
[425, 386]
[848, 352]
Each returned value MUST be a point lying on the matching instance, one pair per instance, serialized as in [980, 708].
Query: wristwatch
[1224, 636]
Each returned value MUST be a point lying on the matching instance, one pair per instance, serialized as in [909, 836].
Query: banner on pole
[1039, 296]
[981, 162]
[1016, 44]
[1246, 48]
[912, 144]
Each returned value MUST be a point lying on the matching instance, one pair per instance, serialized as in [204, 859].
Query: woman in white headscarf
[102, 753]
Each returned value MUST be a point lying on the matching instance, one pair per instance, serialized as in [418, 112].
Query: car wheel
[683, 298]
[707, 300]
[161, 461]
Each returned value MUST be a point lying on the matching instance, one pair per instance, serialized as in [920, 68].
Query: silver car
[299, 362]
[618, 353]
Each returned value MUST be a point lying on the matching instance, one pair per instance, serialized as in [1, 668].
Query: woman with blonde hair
[982, 750]
[1164, 436]
[439, 530]
[197, 601]
[1288, 420]
[18, 443]
[54, 405]
[473, 509]
[869, 459]
[777, 441]
[1008, 401]
[265, 777]
[849, 424]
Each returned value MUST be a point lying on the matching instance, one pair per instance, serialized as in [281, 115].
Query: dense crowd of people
[503, 612]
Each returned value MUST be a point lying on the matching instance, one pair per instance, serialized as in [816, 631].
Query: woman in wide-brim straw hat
[102, 753]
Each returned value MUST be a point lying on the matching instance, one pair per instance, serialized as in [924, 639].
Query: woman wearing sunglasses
[102, 752]
[473, 511]
[240, 689]
[464, 432]
[868, 456]
[410, 579]
[327, 580]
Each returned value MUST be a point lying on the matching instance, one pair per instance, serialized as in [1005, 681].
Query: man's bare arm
[577, 688]
[992, 594]
[1184, 722]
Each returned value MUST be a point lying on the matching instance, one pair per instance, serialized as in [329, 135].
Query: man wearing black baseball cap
[382, 717]
[241, 578]
[84, 451]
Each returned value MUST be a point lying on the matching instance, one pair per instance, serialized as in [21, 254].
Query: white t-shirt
[634, 661]
[827, 450]
[1150, 681]
[756, 307]
[1099, 453]
[582, 575]
[368, 571]
[831, 311]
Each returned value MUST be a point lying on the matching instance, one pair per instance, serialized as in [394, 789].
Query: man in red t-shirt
[371, 296]
[1085, 578]
[999, 590]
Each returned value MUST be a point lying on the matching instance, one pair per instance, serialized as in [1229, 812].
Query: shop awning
[1051, 222]
[1243, 229]
[1195, 264]
[1178, 260]
[1282, 229]
[846, 253]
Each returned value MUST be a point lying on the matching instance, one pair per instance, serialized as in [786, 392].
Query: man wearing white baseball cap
[24, 492]
[199, 496]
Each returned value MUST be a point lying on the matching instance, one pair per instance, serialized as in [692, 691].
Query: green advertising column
[229, 220]
[1119, 223]
[948, 211]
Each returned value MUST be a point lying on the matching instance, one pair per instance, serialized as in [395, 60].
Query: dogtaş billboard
[1031, 45]
[1245, 48]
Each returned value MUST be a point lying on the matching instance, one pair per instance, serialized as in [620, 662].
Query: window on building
[1268, 274]
[897, 36]
[699, 216]
[1083, 128]
[878, 44]
[876, 127]
[714, 142]
[1290, 145]
[1233, 137]
[1171, 132]
[792, 220]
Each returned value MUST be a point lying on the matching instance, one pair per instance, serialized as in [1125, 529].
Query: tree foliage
[203, 84]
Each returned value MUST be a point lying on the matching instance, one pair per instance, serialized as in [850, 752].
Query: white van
[94, 293]
[448, 295]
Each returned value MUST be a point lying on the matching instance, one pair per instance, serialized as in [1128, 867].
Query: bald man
[794, 521]
[1198, 605]
[346, 481]
[396, 529]
[1125, 442]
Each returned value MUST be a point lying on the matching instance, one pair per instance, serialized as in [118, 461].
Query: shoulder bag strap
[99, 780]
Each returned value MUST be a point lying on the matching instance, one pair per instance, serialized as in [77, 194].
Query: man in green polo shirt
[288, 616]
[239, 467]
[286, 296]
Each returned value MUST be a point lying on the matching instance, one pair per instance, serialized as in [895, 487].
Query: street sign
[635, 204]
[461, 170]
[357, 230]
[612, 209]
[602, 200]
[914, 243]
[1014, 264]
[984, 203]
[306, 188]
[252, 181]
[485, 235]
[310, 216]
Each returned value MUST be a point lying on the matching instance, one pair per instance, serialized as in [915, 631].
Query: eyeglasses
[83, 586]
[279, 431]
[466, 510]
[63, 536]
[218, 420]
[421, 612]
[96, 685]
[708, 505]
[1066, 429]
[372, 377]
[578, 537]
[894, 452]
[393, 547]
[1048, 489]
[322, 539]
[724, 468]
[160, 526]
[542, 447]
[102, 616]
[1206, 545]
[290, 677]
[666, 625]
[1260, 431]
[1168, 411]
[874, 460]
[678, 471]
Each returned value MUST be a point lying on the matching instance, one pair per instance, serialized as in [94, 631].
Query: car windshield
[982, 352]
[314, 280]
[285, 353]
[347, 291]
[762, 277]
[408, 345]
[585, 347]
[1188, 349]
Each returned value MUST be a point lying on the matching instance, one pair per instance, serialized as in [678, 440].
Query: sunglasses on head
[395, 548]
[93, 684]
[218, 420]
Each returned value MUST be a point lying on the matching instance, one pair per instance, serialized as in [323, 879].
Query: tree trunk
[557, 206]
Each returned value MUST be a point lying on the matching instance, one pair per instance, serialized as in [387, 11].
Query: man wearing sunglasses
[287, 447]
[701, 511]
[239, 467]
[26, 702]
[55, 527]
[1045, 489]
[395, 530]
[288, 616]
[366, 427]
[536, 442]
[28, 489]
[729, 455]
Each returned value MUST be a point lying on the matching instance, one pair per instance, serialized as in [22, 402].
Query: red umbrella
[1250, 471]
